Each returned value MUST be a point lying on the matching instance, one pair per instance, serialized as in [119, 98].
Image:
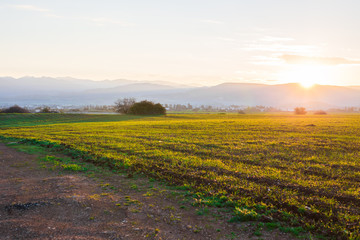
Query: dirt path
[36, 203]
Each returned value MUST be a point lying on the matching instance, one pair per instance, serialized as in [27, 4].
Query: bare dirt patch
[36, 203]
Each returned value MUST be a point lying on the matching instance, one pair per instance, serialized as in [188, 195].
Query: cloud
[266, 60]
[100, 21]
[211, 21]
[297, 59]
[54, 16]
[30, 8]
[280, 48]
[104, 21]
[276, 39]
[226, 39]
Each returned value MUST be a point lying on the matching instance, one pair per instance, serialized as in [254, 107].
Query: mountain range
[70, 91]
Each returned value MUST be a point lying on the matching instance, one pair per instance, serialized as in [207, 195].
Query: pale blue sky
[199, 41]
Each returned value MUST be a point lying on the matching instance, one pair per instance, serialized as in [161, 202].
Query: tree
[300, 111]
[46, 110]
[320, 112]
[123, 105]
[147, 108]
[15, 109]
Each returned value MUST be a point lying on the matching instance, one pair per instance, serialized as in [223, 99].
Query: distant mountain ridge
[71, 91]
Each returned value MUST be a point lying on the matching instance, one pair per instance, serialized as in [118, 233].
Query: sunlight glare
[307, 75]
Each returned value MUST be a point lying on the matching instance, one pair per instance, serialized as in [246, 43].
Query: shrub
[241, 112]
[46, 110]
[320, 112]
[147, 108]
[15, 109]
[123, 105]
[300, 111]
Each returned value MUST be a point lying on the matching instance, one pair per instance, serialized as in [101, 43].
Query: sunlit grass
[304, 168]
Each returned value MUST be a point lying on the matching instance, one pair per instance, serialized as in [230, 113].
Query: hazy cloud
[100, 21]
[297, 59]
[266, 60]
[276, 39]
[211, 21]
[54, 15]
[30, 8]
[104, 21]
[226, 39]
[280, 48]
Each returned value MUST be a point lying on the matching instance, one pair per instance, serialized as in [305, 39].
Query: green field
[304, 170]
[33, 119]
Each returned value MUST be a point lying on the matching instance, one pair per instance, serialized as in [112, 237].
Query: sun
[307, 75]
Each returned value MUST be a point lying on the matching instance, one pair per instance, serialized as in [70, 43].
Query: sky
[203, 42]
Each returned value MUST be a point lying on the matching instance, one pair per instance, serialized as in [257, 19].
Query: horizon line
[170, 81]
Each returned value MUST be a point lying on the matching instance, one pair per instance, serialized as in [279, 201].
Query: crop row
[304, 166]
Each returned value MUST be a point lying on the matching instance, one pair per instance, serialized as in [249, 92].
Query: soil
[40, 203]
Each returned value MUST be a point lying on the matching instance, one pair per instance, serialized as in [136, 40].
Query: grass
[300, 169]
[35, 119]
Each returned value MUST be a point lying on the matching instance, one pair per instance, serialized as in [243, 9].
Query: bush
[15, 109]
[147, 108]
[123, 105]
[241, 112]
[320, 112]
[300, 111]
[46, 110]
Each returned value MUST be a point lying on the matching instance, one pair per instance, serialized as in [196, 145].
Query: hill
[70, 91]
